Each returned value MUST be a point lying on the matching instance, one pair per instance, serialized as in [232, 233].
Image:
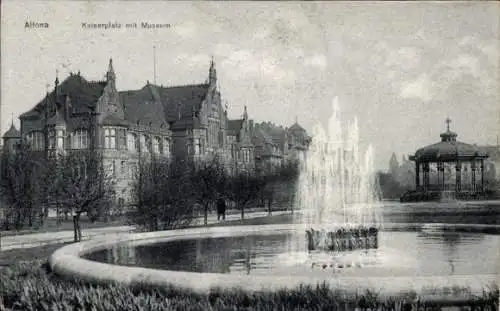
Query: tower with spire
[11, 138]
[212, 73]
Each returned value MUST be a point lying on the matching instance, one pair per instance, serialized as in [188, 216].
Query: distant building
[274, 144]
[449, 169]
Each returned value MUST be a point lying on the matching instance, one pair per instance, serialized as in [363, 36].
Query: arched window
[132, 142]
[80, 139]
[110, 138]
[52, 139]
[36, 140]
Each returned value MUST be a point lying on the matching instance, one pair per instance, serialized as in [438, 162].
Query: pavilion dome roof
[449, 149]
[12, 132]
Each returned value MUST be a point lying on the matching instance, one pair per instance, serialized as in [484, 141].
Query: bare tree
[209, 179]
[83, 185]
[245, 187]
[281, 183]
[163, 195]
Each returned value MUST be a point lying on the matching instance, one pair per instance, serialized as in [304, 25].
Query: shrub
[26, 286]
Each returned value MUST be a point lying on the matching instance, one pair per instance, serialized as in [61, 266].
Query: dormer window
[110, 138]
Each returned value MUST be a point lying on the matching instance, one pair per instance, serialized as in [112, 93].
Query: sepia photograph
[250, 155]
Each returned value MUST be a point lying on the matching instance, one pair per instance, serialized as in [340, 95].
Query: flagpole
[154, 64]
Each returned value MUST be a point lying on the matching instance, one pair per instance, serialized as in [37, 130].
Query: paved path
[40, 239]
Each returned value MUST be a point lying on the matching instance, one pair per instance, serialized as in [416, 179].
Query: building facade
[186, 121]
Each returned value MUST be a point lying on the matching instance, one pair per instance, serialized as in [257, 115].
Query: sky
[400, 68]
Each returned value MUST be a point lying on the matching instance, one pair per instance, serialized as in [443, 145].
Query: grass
[30, 286]
[13, 256]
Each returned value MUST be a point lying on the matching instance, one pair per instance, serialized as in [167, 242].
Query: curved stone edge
[66, 262]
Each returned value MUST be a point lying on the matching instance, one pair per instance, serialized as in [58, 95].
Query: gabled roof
[260, 137]
[140, 105]
[57, 118]
[159, 104]
[12, 132]
[234, 127]
[81, 92]
[186, 99]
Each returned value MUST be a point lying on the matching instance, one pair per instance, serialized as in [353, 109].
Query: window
[36, 140]
[144, 143]
[52, 139]
[132, 142]
[166, 147]
[60, 139]
[196, 144]
[80, 139]
[110, 138]
[123, 169]
[156, 145]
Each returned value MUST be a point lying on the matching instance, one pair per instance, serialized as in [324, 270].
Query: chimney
[250, 126]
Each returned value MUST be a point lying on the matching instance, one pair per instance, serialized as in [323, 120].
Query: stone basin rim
[67, 262]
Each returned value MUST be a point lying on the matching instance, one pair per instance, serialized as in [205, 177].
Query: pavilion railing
[452, 187]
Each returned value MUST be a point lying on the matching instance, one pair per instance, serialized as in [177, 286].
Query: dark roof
[187, 98]
[234, 126]
[113, 119]
[261, 137]
[159, 105]
[141, 105]
[57, 118]
[296, 128]
[12, 132]
[448, 149]
[80, 91]
[186, 123]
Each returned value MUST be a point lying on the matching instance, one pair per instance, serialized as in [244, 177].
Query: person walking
[221, 209]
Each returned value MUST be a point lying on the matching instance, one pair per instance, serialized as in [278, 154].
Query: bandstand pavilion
[450, 168]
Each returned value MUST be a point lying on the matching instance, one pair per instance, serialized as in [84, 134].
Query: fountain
[344, 244]
[337, 190]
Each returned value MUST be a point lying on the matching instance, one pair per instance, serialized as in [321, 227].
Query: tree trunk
[269, 206]
[77, 230]
[242, 206]
[205, 221]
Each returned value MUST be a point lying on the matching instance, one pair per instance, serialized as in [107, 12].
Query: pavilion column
[482, 175]
[426, 176]
[417, 175]
[458, 181]
[441, 172]
[473, 171]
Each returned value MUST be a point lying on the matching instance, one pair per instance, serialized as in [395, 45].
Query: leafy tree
[82, 185]
[163, 195]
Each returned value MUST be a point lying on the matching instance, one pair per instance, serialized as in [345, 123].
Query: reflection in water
[442, 253]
